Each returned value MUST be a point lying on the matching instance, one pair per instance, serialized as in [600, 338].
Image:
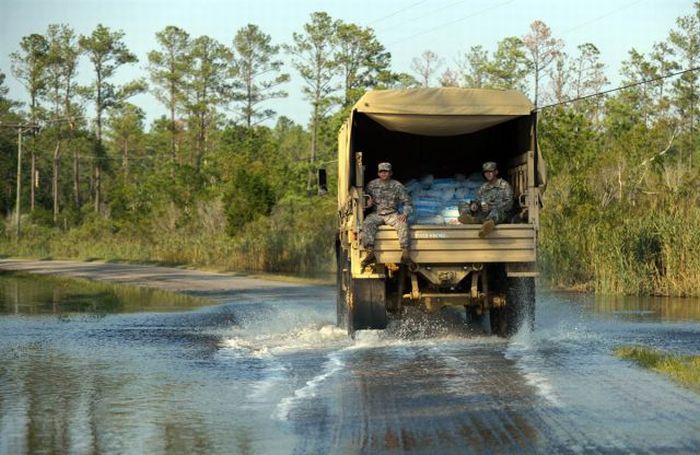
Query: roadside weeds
[682, 369]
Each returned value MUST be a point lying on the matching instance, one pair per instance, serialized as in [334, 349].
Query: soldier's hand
[402, 218]
[370, 202]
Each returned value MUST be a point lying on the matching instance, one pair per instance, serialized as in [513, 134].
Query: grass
[647, 253]
[295, 240]
[682, 369]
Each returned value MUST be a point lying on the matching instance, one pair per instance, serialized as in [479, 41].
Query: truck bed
[449, 244]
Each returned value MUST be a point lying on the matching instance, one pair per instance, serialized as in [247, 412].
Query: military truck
[440, 131]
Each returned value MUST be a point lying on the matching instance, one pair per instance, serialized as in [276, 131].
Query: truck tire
[395, 288]
[519, 310]
[521, 298]
[368, 297]
[343, 268]
[499, 322]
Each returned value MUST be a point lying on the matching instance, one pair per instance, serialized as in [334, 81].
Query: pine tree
[257, 73]
[543, 50]
[207, 90]
[684, 41]
[107, 52]
[125, 131]
[473, 66]
[363, 60]
[313, 55]
[168, 69]
[61, 71]
[509, 66]
[29, 66]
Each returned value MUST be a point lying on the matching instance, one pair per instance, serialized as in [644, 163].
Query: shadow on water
[24, 294]
[650, 309]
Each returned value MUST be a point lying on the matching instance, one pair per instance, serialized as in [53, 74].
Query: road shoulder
[194, 282]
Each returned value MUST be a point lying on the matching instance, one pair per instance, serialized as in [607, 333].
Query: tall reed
[655, 253]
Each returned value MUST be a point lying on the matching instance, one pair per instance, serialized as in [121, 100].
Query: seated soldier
[385, 196]
[495, 202]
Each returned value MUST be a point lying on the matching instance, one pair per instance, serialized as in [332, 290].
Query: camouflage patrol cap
[384, 167]
[489, 166]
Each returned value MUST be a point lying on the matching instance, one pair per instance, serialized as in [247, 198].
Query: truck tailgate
[460, 244]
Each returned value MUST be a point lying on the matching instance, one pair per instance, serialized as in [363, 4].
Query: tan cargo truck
[440, 132]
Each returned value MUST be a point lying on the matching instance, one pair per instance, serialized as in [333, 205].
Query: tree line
[221, 165]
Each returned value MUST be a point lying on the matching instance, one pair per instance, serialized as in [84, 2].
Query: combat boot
[370, 258]
[466, 218]
[487, 228]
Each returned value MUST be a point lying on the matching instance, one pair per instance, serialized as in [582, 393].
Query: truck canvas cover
[436, 112]
[445, 111]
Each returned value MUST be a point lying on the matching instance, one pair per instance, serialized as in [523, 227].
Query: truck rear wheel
[360, 303]
[519, 309]
[342, 273]
[521, 294]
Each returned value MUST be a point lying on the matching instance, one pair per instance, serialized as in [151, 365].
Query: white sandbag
[423, 193]
[427, 181]
[442, 183]
[436, 201]
[435, 219]
[412, 185]
[450, 213]
[446, 193]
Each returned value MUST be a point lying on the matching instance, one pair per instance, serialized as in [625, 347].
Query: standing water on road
[87, 368]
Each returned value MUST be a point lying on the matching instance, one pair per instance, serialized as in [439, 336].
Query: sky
[405, 27]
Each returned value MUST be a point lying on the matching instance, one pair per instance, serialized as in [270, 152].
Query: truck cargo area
[414, 155]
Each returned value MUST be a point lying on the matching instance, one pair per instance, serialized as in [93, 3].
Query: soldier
[495, 202]
[385, 195]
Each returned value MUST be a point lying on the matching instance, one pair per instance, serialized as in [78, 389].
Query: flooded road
[88, 368]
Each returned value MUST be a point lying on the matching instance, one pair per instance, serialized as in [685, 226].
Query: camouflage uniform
[386, 197]
[499, 196]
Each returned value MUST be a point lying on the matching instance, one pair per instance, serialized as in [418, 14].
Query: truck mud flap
[369, 304]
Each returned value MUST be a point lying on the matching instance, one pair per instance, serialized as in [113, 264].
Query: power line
[451, 22]
[397, 12]
[431, 13]
[38, 124]
[646, 81]
[596, 19]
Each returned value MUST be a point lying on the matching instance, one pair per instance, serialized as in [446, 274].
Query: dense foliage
[221, 181]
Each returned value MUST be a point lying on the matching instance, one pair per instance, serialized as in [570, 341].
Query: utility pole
[19, 178]
[21, 129]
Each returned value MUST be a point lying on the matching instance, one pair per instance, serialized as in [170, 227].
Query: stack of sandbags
[436, 201]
